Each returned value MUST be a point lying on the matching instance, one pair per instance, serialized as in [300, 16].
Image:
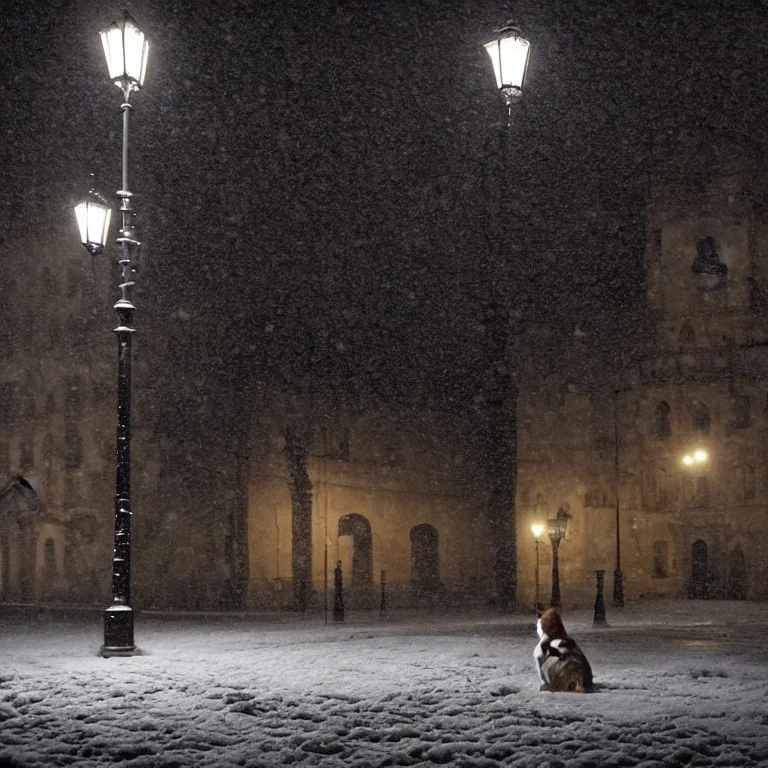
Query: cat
[560, 663]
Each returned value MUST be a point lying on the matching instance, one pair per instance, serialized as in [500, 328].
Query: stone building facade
[234, 493]
[393, 494]
[620, 417]
[249, 498]
[54, 406]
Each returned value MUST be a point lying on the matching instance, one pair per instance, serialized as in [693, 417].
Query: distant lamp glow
[509, 54]
[93, 216]
[537, 529]
[126, 49]
[699, 456]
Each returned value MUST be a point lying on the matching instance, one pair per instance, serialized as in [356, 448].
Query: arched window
[663, 496]
[28, 406]
[742, 415]
[661, 421]
[749, 483]
[73, 449]
[47, 457]
[699, 418]
[5, 459]
[687, 337]
[49, 560]
[425, 563]
[359, 529]
[72, 401]
[26, 456]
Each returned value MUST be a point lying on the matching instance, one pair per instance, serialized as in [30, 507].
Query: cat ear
[539, 612]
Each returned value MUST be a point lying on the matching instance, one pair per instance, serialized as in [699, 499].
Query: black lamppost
[618, 576]
[556, 530]
[537, 529]
[509, 55]
[126, 49]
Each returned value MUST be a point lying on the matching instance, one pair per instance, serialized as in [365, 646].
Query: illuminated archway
[359, 529]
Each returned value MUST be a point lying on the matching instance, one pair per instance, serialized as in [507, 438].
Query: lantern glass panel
[509, 56]
[93, 222]
[126, 50]
[556, 527]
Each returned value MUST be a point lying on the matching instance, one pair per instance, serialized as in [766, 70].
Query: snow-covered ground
[678, 683]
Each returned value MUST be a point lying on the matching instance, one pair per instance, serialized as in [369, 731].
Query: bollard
[383, 602]
[338, 596]
[599, 620]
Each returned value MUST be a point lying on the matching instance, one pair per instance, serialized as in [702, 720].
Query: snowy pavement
[679, 683]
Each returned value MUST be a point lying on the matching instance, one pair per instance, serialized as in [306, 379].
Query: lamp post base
[118, 632]
[618, 589]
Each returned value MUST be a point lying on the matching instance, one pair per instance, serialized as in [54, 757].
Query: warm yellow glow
[699, 456]
[509, 56]
[537, 529]
[126, 50]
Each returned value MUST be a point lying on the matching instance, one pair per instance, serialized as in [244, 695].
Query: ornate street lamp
[556, 530]
[537, 529]
[509, 56]
[93, 217]
[509, 53]
[126, 49]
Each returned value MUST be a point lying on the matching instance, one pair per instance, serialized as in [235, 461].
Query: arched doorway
[699, 588]
[425, 559]
[737, 574]
[18, 504]
[358, 529]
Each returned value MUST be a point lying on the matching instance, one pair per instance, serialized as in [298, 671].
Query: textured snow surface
[678, 683]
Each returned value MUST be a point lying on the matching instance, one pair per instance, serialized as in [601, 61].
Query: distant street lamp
[698, 456]
[537, 529]
[126, 49]
[556, 530]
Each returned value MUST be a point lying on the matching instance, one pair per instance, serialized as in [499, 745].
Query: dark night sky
[321, 181]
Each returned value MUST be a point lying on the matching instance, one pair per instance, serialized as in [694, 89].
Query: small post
[555, 601]
[383, 602]
[338, 597]
[599, 620]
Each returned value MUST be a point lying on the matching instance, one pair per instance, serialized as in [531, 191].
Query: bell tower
[705, 258]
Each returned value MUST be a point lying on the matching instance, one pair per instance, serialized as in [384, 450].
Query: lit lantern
[509, 54]
[556, 529]
[93, 216]
[126, 49]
